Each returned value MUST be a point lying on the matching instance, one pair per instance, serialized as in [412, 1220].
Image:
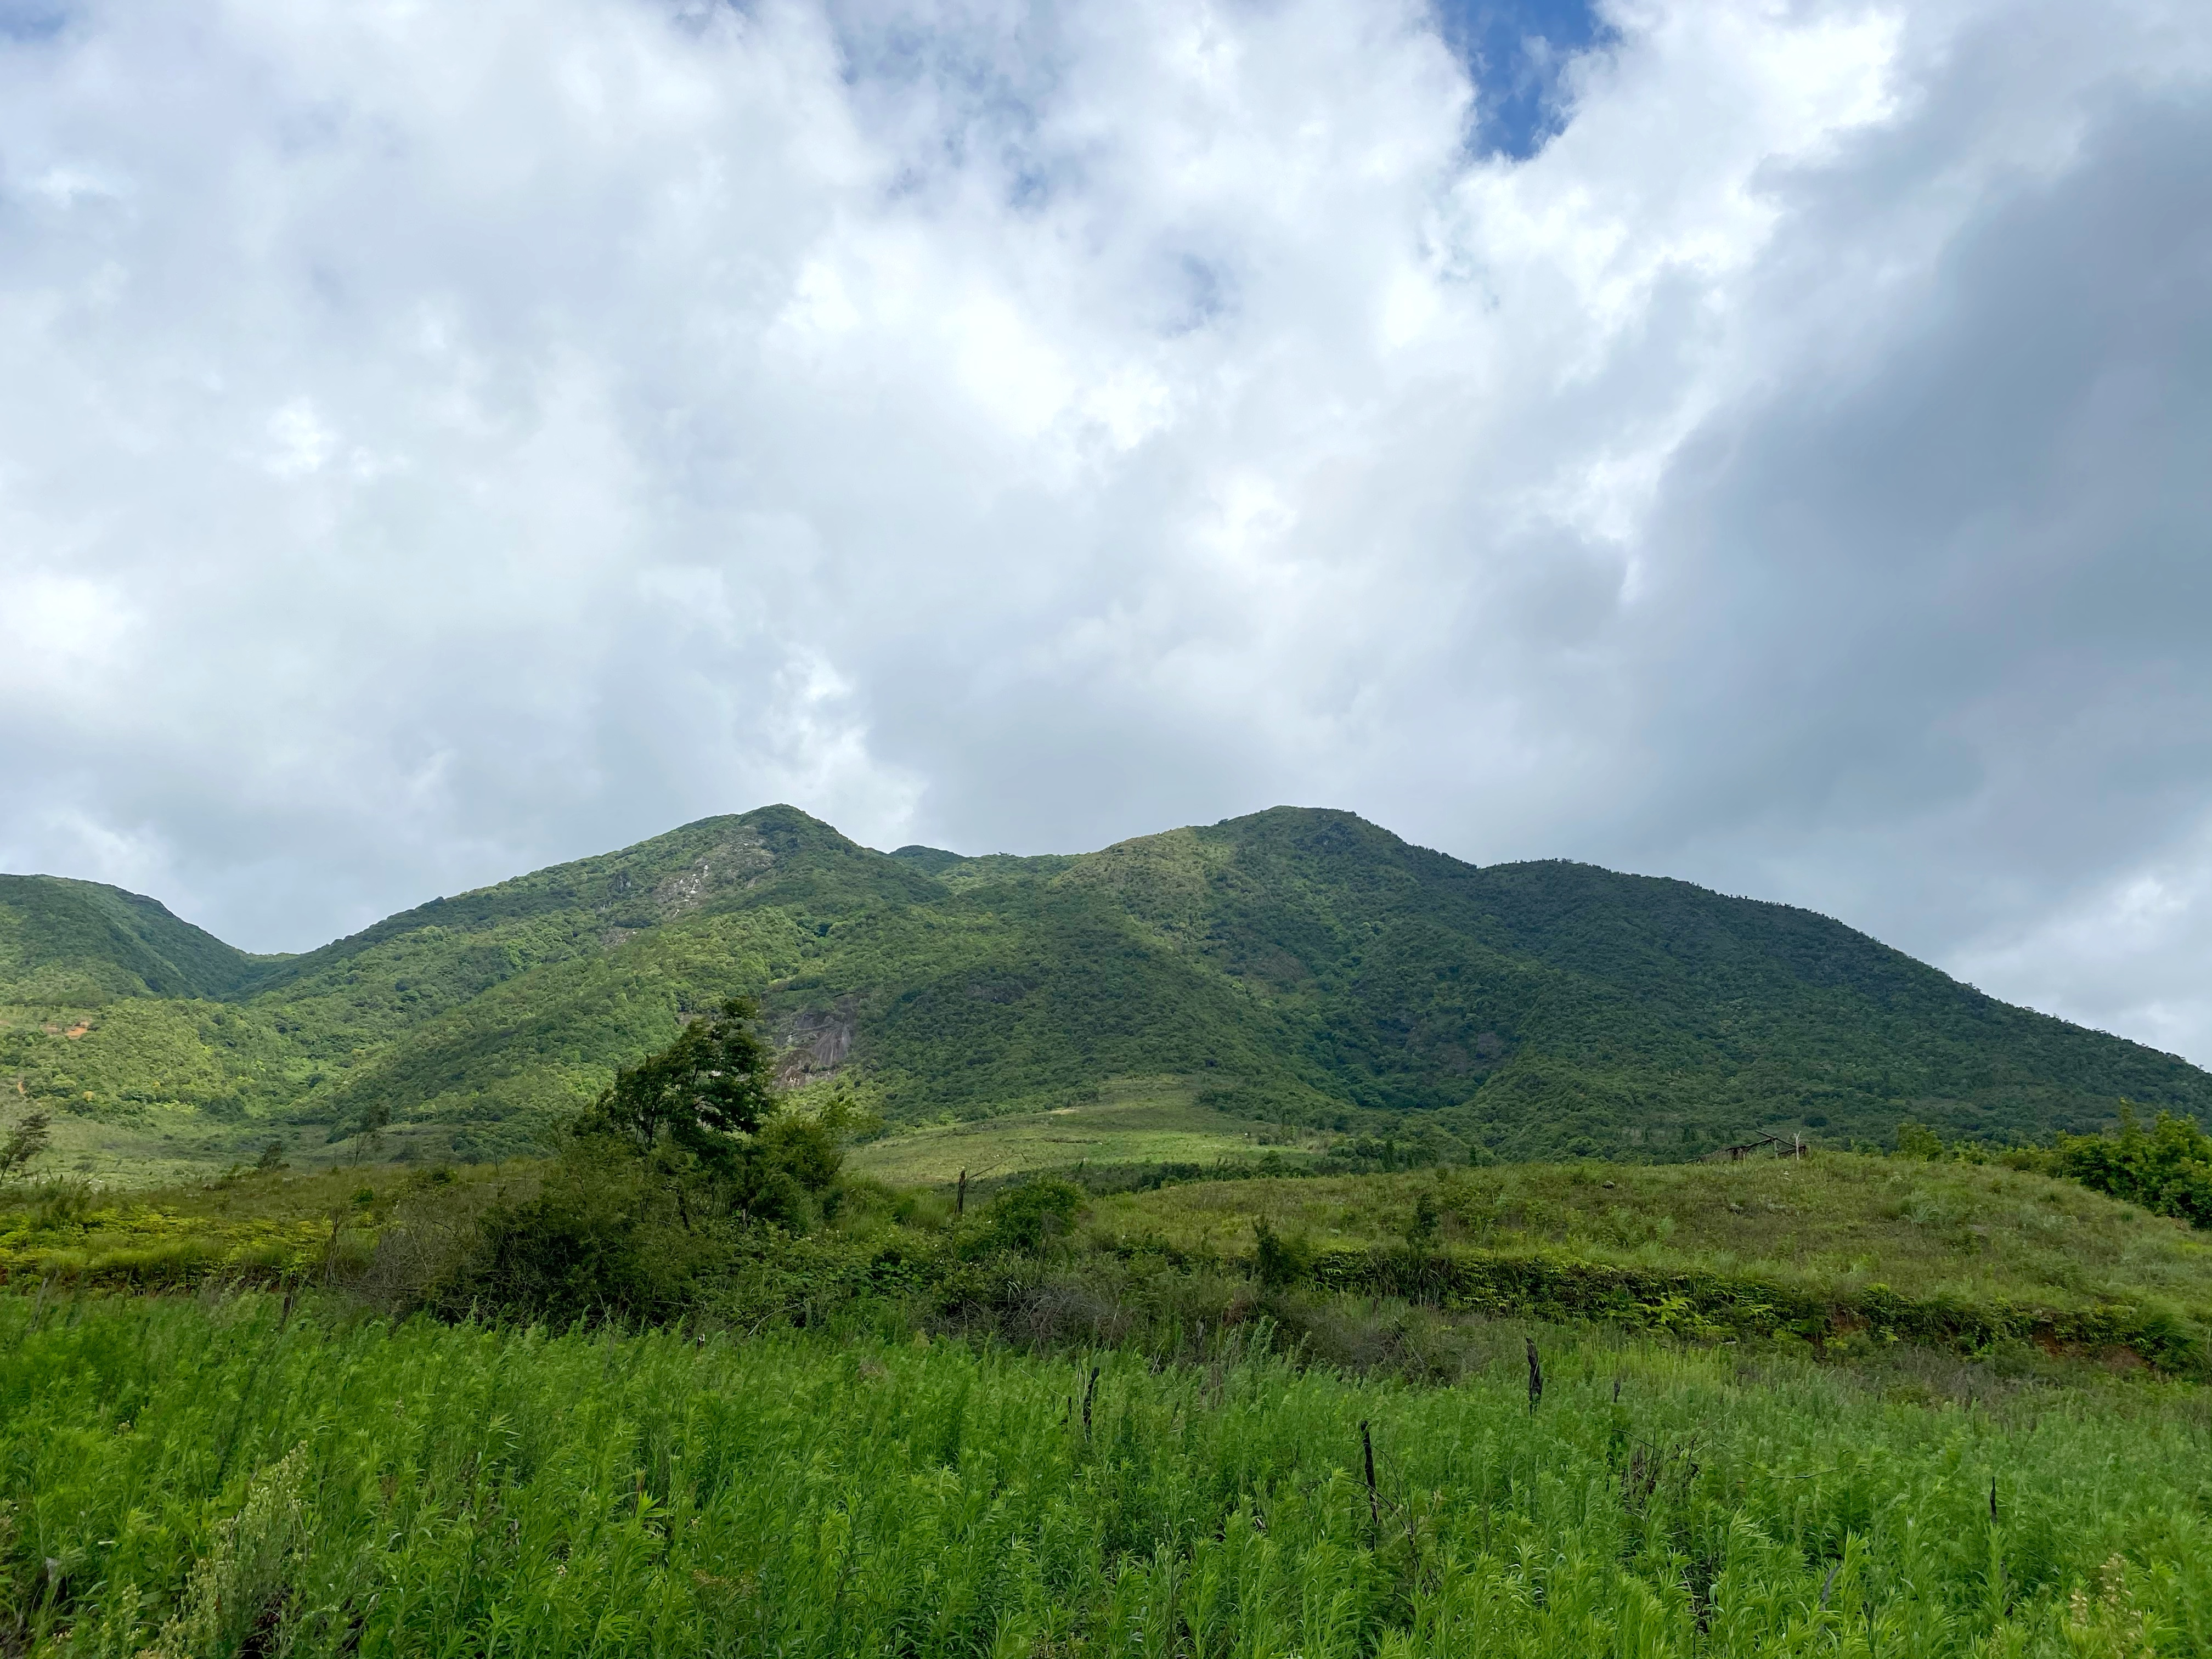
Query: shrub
[27, 1140]
[1028, 1217]
[1278, 1260]
[1918, 1140]
[586, 1243]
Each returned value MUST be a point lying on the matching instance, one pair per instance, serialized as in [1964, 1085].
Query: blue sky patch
[31, 19]
[1516, 49]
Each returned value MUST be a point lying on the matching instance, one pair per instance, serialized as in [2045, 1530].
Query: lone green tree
[646, 1207]
[711, 1086]
[23, 1143]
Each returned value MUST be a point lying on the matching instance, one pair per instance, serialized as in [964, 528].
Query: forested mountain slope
[64, 941]
[1297, 964]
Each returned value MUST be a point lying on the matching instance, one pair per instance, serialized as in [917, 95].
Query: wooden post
[1374, 1499]
[960, 1197]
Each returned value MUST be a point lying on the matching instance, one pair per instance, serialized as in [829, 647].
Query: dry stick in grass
[1413, 1539]
[1089, 1389]
[1374, 1502]
[330, 1252]
[1536, 1376]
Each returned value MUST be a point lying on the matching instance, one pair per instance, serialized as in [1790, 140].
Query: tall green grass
[238, 1475]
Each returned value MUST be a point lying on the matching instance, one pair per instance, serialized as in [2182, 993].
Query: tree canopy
[713, 1084]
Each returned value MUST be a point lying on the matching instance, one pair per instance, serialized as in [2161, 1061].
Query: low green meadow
[233, 1474]
[1133, 1122]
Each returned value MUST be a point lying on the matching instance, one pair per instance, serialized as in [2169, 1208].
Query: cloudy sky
[1768, 444]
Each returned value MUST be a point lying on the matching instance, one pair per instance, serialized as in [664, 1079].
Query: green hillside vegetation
[2165, 1167]
[79, 942]
[1836, 1223]
[1298, 968]
[1839, 1404]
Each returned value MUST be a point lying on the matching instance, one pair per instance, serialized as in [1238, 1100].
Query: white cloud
[445, 439]
[299, 443]
[2127, 955]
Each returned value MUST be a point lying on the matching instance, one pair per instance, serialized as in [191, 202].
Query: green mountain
[1297, 965]
[64, 941]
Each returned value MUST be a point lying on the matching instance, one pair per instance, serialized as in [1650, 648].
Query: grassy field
[1837, 1225]
[1841, 1221]
[1129, 1437]
[230, 1475]
[1133, 1121]
[159, 1148]
[683, 1394]
[262, 1224]
[1848, 1255]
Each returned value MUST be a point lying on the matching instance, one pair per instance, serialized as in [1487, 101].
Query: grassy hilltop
[1301, 969]
[1834, 1225]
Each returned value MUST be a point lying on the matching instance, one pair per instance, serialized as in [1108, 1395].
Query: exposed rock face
[731, 865]
[735, 863]
[815, 1043]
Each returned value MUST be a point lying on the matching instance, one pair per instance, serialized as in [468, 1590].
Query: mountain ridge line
[1297, 964]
